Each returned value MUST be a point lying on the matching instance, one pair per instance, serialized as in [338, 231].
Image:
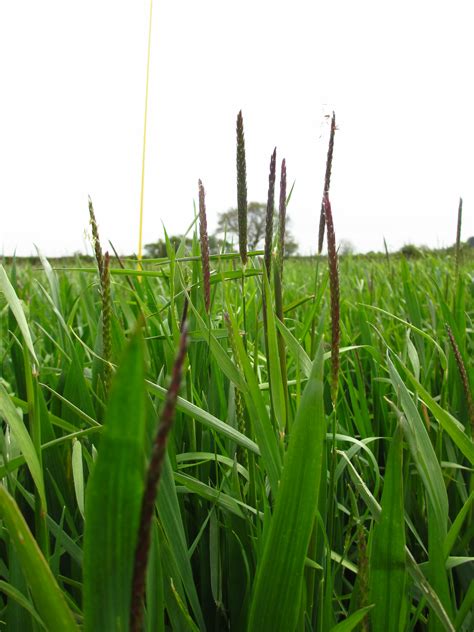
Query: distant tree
[346, 247]
[157, 249]
[470, 242]
[410, 251]
[228, 224]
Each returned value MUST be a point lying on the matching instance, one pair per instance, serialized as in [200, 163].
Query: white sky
[398, 74]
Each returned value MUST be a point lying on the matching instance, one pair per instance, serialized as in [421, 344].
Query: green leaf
[18, 597]
[351, 622]
[422, 451]
[113, 499]
[388, 557]
[273, 360]
[14, 303]
[49, 601]
[275, 602]
[25, 443]
[452, 426]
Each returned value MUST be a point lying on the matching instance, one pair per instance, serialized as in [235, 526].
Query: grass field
[309, 432]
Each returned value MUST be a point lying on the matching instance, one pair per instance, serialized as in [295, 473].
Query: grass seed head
[327, 181]
[282, 216]
[270, 213]
[334, 290]
[96, 240]
[458, 238]
[241, 189]
[204, 247]
[464, 377]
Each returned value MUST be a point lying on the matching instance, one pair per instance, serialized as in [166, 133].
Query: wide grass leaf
[275, 602]
[388, 557]
[113, 499]
[49, 601]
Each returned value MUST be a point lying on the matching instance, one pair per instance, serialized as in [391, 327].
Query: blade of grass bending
[262, 426]
[353, 621]
[17, 596]
[449, 423]
[422, 451]
[275, 602]
[25, 443]
[47, 596]
[388, 557]
[113, 498]
[15, 305]
[207, 419]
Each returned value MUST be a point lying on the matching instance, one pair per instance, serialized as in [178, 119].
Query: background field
[276, 508]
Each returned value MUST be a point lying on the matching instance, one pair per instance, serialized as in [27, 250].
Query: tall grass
[305, 484]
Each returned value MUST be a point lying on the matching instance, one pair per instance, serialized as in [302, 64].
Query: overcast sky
[398, 75]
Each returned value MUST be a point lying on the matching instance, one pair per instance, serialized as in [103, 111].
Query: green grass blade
[353, 621]
[276, 595]
[452, 426]
[25, 443]
[113, 499]
[388, 557]
[47, 596]
[422, 451]
[273, 360]
[15, 305]
[18, 597]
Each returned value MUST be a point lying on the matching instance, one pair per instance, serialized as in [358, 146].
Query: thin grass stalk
[464, 378]
[151, 486]
[327, 182]
[458, 241]
[106, 322]
[96, 240]
[204, 248]
[241, 189]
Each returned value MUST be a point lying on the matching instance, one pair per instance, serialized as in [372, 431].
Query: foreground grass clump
[295, 492]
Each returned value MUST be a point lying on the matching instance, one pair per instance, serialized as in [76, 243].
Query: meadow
[237, 441]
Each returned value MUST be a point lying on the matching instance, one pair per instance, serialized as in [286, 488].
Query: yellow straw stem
[140, 230]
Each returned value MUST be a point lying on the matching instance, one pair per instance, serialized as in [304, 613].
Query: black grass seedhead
[270, 214]
[334, 290]
[241, 189]
[282, 216]
[206, 274]
[327, 182]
